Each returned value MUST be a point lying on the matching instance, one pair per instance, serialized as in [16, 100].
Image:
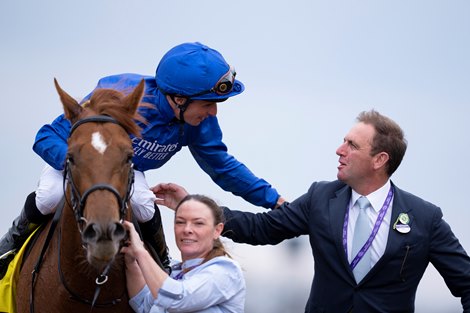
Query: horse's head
[99, 167]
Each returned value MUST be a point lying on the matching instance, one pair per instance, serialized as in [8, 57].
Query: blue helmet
[198, 72]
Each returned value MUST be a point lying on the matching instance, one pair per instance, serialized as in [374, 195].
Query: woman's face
[195, 231]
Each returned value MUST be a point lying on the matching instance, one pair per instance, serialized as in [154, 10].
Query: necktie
[362, 232]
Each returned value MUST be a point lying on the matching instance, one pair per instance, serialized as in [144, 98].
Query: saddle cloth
[8, 282]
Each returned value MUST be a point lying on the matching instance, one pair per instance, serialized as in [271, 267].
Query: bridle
[79, 200]
[77, 204]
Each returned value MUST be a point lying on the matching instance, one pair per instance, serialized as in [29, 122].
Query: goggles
[223, 86]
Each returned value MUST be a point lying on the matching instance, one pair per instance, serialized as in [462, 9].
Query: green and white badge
[403, 218]
[401, 224]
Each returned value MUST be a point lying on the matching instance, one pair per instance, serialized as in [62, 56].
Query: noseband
[79, 200]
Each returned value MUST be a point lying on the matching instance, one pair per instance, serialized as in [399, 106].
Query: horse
[75, 264]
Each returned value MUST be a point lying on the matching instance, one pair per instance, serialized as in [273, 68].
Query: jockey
[181, 109]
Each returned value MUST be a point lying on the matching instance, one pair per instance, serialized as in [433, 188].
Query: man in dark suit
[379, 272]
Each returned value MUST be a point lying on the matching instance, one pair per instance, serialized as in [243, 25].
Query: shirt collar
[376, 198]
[191, 263]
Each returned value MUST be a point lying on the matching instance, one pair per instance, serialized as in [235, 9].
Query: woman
[207, 279]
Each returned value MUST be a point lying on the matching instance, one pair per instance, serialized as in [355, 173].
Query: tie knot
[363, 203]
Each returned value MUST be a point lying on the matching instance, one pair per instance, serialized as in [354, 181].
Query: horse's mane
[110, 102]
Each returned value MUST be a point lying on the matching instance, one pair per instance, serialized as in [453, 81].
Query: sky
[309, 68]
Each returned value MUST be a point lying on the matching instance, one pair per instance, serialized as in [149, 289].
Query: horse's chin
[101, 254]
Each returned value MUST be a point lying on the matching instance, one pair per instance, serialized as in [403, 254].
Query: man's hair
[389, 138]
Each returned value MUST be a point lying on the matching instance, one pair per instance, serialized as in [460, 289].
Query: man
[180, 110]
[381, 271]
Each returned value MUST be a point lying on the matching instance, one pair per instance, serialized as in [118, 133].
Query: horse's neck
[70, 248]
[70, 234]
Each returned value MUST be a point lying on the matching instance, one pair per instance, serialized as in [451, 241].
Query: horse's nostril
[90, 233]
[118, 231]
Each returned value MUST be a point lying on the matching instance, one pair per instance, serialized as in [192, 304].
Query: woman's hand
[141, 268]
[133, 243]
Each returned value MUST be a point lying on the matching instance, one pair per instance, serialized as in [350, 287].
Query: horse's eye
[129, 158]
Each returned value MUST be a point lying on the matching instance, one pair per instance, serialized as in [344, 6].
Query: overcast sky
[309, 68]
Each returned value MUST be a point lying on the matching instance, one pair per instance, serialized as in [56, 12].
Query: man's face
[199, 110]
[355, 161]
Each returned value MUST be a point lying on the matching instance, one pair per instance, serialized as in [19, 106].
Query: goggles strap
[182, 108]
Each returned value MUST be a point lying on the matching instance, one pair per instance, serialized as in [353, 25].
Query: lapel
[337, 211]
[395, 238]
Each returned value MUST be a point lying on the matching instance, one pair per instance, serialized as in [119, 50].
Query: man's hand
[280, 201]
[169, 194]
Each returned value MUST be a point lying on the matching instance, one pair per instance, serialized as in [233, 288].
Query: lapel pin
[403, 228]
[401, 224]
[403, 218]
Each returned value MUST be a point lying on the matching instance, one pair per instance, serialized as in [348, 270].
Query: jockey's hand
[279, 202]
[169, 194]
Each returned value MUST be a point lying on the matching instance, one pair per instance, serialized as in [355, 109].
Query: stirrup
[7, 254]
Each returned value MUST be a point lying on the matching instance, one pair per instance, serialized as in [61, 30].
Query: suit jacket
[391, 284]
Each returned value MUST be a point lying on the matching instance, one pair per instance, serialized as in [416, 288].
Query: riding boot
[19, 231]
[153, 235]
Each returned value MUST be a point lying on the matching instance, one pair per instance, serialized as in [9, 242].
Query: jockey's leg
[148, 215]
[21, 228]
[153, 234]
[37, 206]
[50, 190]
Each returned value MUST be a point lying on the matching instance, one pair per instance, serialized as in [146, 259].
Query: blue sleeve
[51, 142]
[231, 175]
[51, 139]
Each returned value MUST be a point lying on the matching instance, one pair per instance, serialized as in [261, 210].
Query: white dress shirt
[376, 199]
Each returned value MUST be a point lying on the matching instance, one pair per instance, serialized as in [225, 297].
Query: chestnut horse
[81, 269]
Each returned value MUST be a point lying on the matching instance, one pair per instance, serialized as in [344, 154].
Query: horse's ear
[132, 100]
[71, 107]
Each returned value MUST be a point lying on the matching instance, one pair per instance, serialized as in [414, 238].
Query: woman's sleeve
[212, 285]
[143, 302]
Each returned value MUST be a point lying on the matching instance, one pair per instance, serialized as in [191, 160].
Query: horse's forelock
[110, 102]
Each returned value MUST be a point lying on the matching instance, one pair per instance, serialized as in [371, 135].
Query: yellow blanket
[8, 282]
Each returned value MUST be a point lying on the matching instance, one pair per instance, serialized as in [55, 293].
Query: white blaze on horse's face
[98, 143]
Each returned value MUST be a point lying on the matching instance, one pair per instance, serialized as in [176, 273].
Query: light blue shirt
[216, 286]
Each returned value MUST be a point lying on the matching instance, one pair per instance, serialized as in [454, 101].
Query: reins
[35, 272]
